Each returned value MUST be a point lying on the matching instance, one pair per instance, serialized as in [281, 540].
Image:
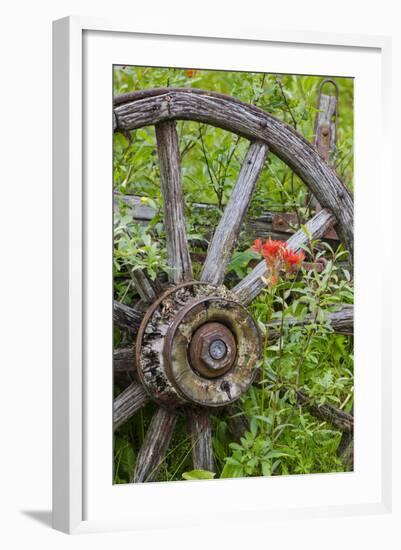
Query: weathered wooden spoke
[226, 235]
[147, 289]
[340, 321]
[327, 412]
[149, 107]
[173, 202]
[127, 317]
[197, 345]
[254, 282]
[345, 450]
[155, 445]
[200, 428]
[128, 402]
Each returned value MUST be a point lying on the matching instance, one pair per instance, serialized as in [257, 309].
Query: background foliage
[283, 438]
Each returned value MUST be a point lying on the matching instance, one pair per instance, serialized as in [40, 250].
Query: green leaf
[198, 474]
[235, 446]
[230, 470]
[254, 426]
[240, 261]
[306, 231]
[277, 454]
[233, 461]
[266, 471]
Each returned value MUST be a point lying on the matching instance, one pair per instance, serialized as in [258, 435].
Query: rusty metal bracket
[325, 134]
[325, 139]
[326, 120]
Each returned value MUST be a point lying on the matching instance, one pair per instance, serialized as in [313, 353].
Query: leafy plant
[301, 352]
[240, 261]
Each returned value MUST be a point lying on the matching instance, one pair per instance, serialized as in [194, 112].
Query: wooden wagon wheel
[196, 345]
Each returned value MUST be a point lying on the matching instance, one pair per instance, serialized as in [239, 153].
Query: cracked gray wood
[200, 428]
[341, 321]
[226, 235]
[147, 289]
[325, 133]
[327, 412]
[124, 359]
[127, 403]
[149, 107]
[345, 450]
[325, 121]
[127, 317]
[254, 282]
[155, 445]
[173, 202]
[252, 228]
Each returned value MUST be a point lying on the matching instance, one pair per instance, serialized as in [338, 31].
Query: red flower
[191, 73]
[257, 246]
[292, 258]
[271, 249]
[278, 258]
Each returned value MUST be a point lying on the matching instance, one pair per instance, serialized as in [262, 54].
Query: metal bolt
[212, 350]
[218, 349]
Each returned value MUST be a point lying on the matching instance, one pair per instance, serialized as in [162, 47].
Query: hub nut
[218, 349]
[212, 350]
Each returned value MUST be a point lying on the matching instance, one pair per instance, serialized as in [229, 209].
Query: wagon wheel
[196, 346]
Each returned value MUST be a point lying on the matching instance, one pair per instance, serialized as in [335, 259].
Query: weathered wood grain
[262, 228]
[254, 282]
[345, 451]
[154, 106]
[127, 317]
[138, 210]
[124, 359]
[226, 235]
[341, 321]
[128, 403]
[252, 228]
[329, 413]
[173, 202]
[200, 428]
[325, 133]
[155, 445]
[147, 289]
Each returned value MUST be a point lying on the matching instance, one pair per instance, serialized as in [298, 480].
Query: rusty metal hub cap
[212, 350]
[197, 345]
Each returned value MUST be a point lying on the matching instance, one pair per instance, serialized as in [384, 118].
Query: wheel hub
[212, 350]
[198, 345]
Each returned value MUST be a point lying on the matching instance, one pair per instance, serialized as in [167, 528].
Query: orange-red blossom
[278, 257]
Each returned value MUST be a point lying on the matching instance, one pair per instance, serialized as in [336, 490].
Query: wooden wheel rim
[161, 108]
[152, 106]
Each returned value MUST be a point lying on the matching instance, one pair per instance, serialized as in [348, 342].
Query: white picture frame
[83, 50]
